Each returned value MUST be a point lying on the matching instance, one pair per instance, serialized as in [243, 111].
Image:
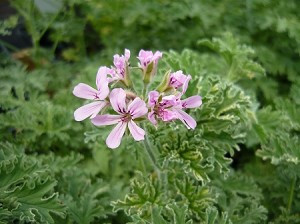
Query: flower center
[126, 117]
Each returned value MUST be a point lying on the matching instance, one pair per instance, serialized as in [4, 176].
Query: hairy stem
[139, 68]
[7, 45]
[142, 163]
[291, 195]
[151, 155]
[145, 87]
[162, 175]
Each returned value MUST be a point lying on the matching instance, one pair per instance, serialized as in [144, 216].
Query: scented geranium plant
[166, 103]
[182, 147]
[116, 102]
[235, 159]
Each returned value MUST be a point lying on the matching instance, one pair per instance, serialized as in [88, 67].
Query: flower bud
[121, 67]
[164, 85]
[179, 80]
[148, 63]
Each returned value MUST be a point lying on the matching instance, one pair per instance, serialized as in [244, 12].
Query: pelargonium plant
[166, 103]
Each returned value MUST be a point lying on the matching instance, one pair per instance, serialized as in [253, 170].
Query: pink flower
[146, 57]
[148, 62]
[126, 115]
[98, 95]
[179, 80]
[161, 108]
[120, 69]
[170, 108]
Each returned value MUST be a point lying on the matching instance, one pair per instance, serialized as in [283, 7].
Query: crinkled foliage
[240, 164]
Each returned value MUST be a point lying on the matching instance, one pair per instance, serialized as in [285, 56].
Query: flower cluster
[115, 93]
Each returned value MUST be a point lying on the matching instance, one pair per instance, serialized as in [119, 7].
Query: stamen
[126, 118]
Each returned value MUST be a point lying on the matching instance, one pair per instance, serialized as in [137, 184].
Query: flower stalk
[161, 174]
[291, 194]
[151, 155]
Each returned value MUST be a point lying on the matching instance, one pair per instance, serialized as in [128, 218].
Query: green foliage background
[240, 165]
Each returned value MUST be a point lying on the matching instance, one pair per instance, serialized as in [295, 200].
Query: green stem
[35, 47]
[142, 163]
[145, 87]
[54, 47]
[136, 68]
[291, 195]
[9, 46]
[143, 93]
[162, 175]
[151, 155]
[49, 24]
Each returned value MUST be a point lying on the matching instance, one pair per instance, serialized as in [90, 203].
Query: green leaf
[198, 198]
[239, 197]
[212, 217]
[179, 213]
[7, 25]
[32, 202]
[84, 204]
[48, 6]
[144, 193]
[238, 57]
[281, 149]
[5, 215]
[26, 188]
[156, 216]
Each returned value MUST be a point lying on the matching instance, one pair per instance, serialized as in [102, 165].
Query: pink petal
[137, 108]
[104, 91]
[106, 119]
[186, 84]
[144, 55]
[91, 109]
[85, 91]
[136, 132]
[187, 119]
[170, 100]
[114, 138]
[113, 77]
[102, 82]
[119, 62]
[168, 115]
[177, 79]
[127, 54]
[152, 98]
[101, 76]
[156, 56]
[117, 100]
[145, 58]
[151, 117]
[192, 102]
